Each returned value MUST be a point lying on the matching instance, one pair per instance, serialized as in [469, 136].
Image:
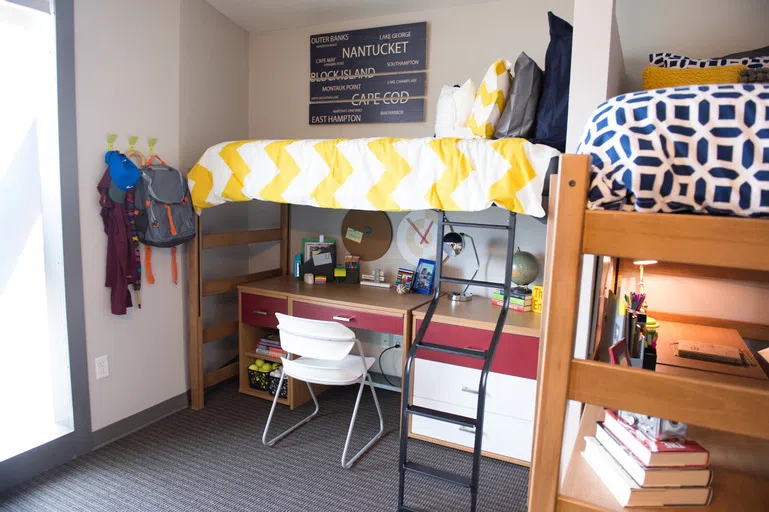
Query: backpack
[164, 213]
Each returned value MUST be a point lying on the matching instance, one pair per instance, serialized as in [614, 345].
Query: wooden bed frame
[198, 289]
[693, 239]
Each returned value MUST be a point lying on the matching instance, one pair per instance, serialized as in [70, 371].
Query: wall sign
[365, 72]
[381, 87]
[369, 51]
[368, 111]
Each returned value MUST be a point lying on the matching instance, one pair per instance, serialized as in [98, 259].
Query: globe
[525, 268]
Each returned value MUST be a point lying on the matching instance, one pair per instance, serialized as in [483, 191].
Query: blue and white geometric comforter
[702, 149]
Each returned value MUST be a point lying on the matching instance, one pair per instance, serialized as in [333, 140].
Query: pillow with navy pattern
[696, 149]
[671, 60]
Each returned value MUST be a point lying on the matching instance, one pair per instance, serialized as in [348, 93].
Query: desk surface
[481, 313]
[339, 294]
[671, 332]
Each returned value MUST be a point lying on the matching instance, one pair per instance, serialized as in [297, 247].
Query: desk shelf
[262, 394]
[257, 355]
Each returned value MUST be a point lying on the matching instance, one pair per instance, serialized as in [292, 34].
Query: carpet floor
[214, 460]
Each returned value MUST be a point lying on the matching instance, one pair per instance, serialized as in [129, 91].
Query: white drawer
[502, 435]
[505, 394]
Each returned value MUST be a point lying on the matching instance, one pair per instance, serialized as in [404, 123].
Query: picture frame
[619, 353]
[423, 277]
[319, 257]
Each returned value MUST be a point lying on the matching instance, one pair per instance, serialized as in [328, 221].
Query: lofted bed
[639, 193]
[387, 174]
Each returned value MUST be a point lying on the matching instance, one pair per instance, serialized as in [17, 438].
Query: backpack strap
[174, 266]
[148, 264]
[156, 157]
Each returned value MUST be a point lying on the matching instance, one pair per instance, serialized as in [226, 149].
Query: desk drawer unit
[516, 355]
[450, 383]
[260, 310]
[369, 320]
[502, 435]
[447, 383]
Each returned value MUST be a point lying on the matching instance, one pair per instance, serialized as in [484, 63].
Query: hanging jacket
[121, 268]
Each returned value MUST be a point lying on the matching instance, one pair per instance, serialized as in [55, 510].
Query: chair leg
[348, 464]
[272, 411]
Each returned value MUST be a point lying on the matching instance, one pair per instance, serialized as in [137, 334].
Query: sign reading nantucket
[369, 76]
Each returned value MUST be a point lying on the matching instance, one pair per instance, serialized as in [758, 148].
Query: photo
[423, 280]
[619, 354]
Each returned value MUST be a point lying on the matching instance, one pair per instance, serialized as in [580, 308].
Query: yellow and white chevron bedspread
[385, 174]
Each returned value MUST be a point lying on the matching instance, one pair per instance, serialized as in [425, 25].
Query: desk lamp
[453, 245]
[641, 264]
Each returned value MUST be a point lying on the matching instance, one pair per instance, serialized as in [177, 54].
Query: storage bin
[274, 381]
[259, 380]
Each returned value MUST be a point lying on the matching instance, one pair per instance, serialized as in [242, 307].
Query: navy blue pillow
[553, 111]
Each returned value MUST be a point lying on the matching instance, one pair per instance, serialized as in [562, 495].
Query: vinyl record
[367, 234]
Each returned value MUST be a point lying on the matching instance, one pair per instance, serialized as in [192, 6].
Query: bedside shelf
[582, 490]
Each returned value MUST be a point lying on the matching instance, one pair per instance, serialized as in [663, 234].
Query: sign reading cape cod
[374, 75]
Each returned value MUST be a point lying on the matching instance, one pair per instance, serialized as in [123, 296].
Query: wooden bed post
[196, 317]
[562, 279]
[285, 254]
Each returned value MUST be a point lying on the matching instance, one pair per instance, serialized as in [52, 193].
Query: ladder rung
[456, 419]
[446, 349]
[439, 474]
[486, 284]
[475, 225]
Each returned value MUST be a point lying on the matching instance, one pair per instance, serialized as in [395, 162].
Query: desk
[449, 383]
[668, 362]
[364, 307]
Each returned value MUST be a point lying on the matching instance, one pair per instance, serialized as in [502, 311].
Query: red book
[511, 306]
[652, 453]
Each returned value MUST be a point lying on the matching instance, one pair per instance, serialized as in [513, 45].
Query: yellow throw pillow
[660, 78]
[490, 99]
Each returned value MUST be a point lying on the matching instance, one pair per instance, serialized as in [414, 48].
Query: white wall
[213, 94]
[595, 54]
[462, 43]
[695, 28]
[175, 70]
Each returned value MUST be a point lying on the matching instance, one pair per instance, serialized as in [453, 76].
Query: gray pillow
[520, 114]
[758, 52]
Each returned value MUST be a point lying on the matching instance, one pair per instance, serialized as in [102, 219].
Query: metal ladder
[407, 408]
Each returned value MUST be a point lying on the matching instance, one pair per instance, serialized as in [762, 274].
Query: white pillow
[454, 106]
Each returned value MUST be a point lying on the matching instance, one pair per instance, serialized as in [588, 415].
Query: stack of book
[269, 345]
[520, 299]
[644, 472]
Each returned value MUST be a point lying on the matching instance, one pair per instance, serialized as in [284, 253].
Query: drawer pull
[342, 318]
[260, 312]
[470, 390]
[469, 430]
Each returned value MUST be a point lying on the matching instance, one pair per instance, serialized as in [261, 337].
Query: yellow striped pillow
[490, 99]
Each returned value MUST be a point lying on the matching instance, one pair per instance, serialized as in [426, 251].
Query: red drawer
[260, 310]
[516, 355]
[350, 318]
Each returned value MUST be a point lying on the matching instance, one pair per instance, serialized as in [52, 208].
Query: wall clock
[416, 236]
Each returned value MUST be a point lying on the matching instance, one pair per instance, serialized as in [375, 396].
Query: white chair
[324, 348]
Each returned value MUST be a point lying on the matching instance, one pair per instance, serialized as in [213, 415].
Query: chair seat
[343, 372]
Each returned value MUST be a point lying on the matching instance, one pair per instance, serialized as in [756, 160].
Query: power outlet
[102, 367]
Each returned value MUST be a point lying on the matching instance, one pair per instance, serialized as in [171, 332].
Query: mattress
[386, 174]
[695, 149]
